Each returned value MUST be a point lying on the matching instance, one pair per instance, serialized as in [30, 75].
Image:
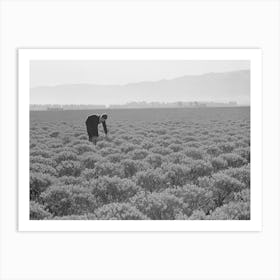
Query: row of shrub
[143, 191]
[143, 170]
[157, 206]
[68, 163]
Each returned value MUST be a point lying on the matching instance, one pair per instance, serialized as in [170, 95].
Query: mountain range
[214, 87]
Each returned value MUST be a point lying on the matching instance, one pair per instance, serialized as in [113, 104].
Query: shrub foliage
[158, 165]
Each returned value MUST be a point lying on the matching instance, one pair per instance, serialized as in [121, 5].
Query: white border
[24, 57]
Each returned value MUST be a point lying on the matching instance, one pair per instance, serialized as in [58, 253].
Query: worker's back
[92, 125]
[92, 121]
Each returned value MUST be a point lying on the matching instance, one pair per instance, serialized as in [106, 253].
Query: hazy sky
[50, 73]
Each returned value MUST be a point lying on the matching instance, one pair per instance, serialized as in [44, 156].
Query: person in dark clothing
[92, 123]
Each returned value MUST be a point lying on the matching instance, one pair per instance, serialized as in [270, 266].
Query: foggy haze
[118, 82]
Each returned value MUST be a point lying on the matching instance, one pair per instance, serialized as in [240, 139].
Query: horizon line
[132, 105]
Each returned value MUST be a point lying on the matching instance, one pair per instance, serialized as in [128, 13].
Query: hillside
[218, 87]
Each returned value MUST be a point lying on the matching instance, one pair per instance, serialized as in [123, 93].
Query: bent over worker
[92, 123]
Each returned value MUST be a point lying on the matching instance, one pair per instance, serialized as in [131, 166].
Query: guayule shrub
[90, 160]
[244, 152]
[189, 139]
[54, 134]
[114, 158]
[68, 200]
[242, 174]
[127, 137]
[126, 147]
[218, 163]
[181, 216]
[163, 142]
[232, 211]
[83, 148]
[150, 180]
[138, 154]
[43, 152]
[199, 168]
[66, 139]
[88, 174]
[158, 206]
[43, 168]
[39, 182]
[147, 145]
[195, 198]
[176, 174]
[198, 215]
[38, 212]
[136, 141]
[213, 150]
[240, 143]
[117, 141]
[222, 186]
[176, 158]
[154, 160]
[108, 169]
[226, 147]
[108, 151]
[218, 140]
[193, 145]
[131, 167]
[160, 131]
[187, 161]
[160, 150]
[119, 211]
[175, 147]
[65, 155]
[78, 142]
[42, 160]
[243, 196]
[54, 144]
[32, 144]
[70, 180]
[78, 134]
[114, 189]
[247, 140]
[194, 153]
[69, 168]
[233, 160]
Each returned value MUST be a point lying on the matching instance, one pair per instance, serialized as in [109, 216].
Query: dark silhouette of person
[92, 123]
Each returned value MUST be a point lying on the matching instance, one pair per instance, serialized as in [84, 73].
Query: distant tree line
[141, 104]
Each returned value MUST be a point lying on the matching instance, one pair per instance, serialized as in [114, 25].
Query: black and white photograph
[146, 139]
[139, 140]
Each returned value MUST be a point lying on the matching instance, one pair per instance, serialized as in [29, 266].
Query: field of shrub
[159, 164]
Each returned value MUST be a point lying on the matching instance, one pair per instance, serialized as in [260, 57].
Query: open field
[159, 164]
